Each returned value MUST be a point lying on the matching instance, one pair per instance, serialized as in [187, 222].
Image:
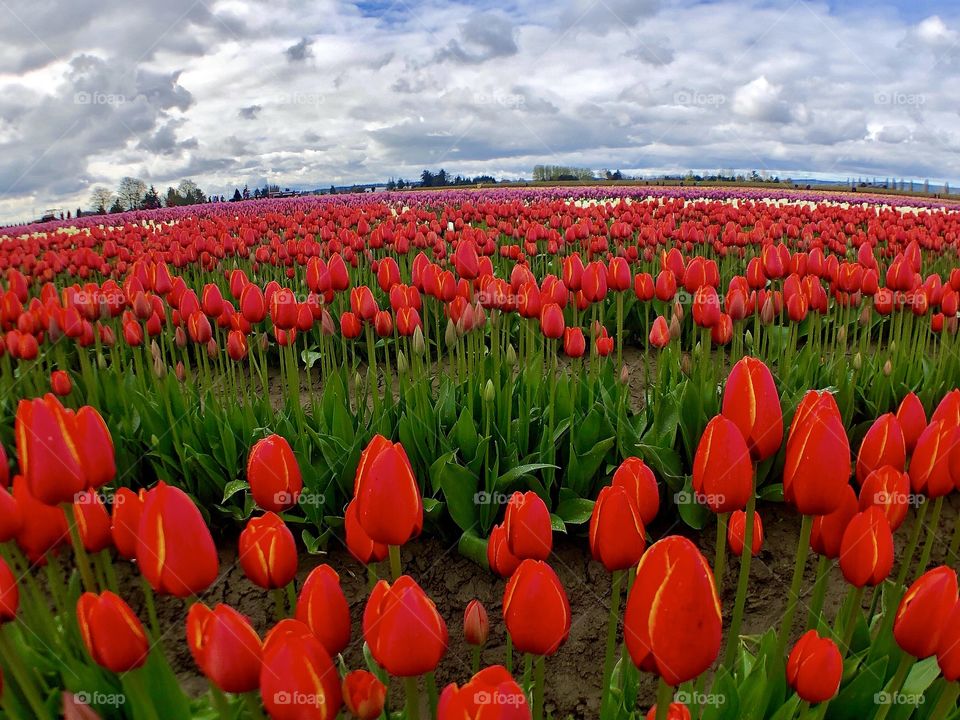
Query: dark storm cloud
[300, 51]
[250, 112]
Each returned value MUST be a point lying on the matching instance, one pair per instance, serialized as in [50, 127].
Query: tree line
[134, 194]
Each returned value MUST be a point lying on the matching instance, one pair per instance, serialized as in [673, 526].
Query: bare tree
[131, 192]
[100, 199]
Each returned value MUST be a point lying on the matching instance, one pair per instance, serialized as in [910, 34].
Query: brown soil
[574, 673]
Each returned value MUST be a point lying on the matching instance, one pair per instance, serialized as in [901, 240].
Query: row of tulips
[72, 644]
[496, 322]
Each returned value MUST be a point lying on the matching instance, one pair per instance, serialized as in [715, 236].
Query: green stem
[430, 681]
[720, 556]
[538, 686]
[151, 611]
[803, 549]
[83, 560]
[947, 701]
[911, 549]
[895, 684]
[734, 637]
[664, 698]
[139, 689]
[850, 622]
[279, 604]
[252, 701]
[395, 568]
[220, 702]
[819, 592]
[413, 698]
[932, 527]
[20, 673]
[475, 665]
[612, 622]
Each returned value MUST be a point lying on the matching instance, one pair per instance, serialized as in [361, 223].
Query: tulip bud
[359, 543]
[535, 609]
[617, 537]
[866, 550]
[419, 345]
[489, 393]
[476, 626]
[857, 361]
[323, 607]
[268, 552]
[225, 647]
[180, 371]
[948, 650]
[924, 612]
[751, 401]
[883, 444]
[887, 368]
[817, 464]
[737, 529]
[273, 474]
[842, 334]
[402, 365]
[364, 694]
[60, 383]
[450, 335]
[722, 469]
[676, 711]
[296, 665]
[815, 668]
[511, 356]
[111, 632]
[499, 558]
[527, 526]
[624, 375]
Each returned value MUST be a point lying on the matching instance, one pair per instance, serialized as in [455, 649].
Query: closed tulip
[11, 518]
[912, 418]
[175, 551]
[323, 607]
[491, 694]
[111, 632]
[551, 321]
[866, 550]
[930, 472]
[751, 401]
[273, 474]
[359, 543]
[888, 488]
[827, 531]
[617, 537]
[125, 520]
[298, 680]
[574, 344]
[46, 528]
[499, 558]
[476, 625]
[49, 458]
[736, 533]
[722, 468]
[672, 622]
[883, 444]
[641, 485]
[527, 526]
[948, 648]
[535, 609]
[60, 383]
[268, 552]
[225, 647]
[924, 612]
[94, 447]
[659, 332]
[815, 668]
[387, 496]
[676, 711]
[364, 694]
[93, 522]
[9, 593]
[403, 629]
[817, 464]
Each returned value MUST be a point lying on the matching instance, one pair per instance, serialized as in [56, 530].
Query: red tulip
[551, 321]
[237, 347]
[268, 552]
[751, 401]
[362, 303]
[574, 344]
[323, 607]
[358, 542]
[125, 520]
[94, 447]
[225, 647]
[387, 496]
[499, 558]
[350, 326]
[866, 550]
[659, 333]
[535, 609]
[253, 306]
[364, 694]
[49, 458]
[815, 668]
[736, 533]
[527, 526]
[641, 485]
[948, 650]
[676, 711]
[11, 518]
[60, 383]
[883, 444]
[888, 488]
[476, 626]
[298, 680]
[617, 537]
[491, 694]
[930, 472]
[924, 612]
[4, 468]
[93, 522]
[912, 418]
[175, 551]
[817, 464]
[403, 629]
[827, 532]
[722, 469]
[9, 593]
[46, 527]
[672, 622]
[273, 474]
[111, 632]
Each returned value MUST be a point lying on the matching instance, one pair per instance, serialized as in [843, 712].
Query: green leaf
[514, 474]
[855, 700]
[557, 523]
[693, 513]
[575, 511]
[232, 488]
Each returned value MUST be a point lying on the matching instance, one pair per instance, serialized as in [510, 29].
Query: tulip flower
[912, 418]
[49, 458]
[359, 543]
[111, 632]
[93, 522]
[827, 531]
[9, 593]
[60, 383]
[298, 680]
[641, 485]
[175, 551]
[125, 520]
[273, 474]
[751, 401]
[499, 558]
[659, 333]
[268, 552]
[617, 537]
[225, 647]
[815, 668]
[888, 488]
[323, 607]
[924, 612]
[736, 533]
[476, 626]
[675, 711]
[364, 694]
[11, 518]
[948, 648]
[722, 470]
[883, 444]
[681, 638]
[490, 694]
[387, 496]
[47, 525]
[866, 550]
[527, 526]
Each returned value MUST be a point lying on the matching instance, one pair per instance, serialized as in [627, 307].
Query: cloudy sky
[309, 93]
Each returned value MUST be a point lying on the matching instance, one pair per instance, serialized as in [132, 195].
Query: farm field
[484, 454]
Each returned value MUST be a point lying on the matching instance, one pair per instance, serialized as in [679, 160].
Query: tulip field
[615, 453]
